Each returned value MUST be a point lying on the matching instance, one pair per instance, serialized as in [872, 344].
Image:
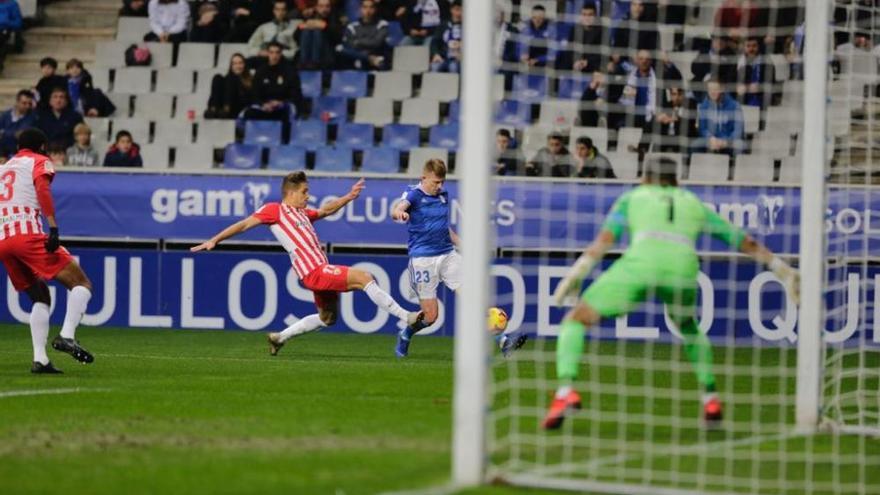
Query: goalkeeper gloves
[789, 277]
[570, 285]
[53, 242]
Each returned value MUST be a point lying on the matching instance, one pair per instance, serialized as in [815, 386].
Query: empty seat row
[311, 134]
[383, 159]
[389, 85]
[715, 168]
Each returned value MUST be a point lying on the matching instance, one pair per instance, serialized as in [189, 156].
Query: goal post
[471, 396]
[811, 322]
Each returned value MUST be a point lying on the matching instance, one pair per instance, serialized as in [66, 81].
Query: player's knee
[328, 318]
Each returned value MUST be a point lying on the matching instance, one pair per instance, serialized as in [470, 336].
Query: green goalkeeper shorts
[630, 282]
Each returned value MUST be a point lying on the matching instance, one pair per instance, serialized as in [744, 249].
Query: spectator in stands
[318, 35]
[553, 160]
[446, 45]
[124, 152]
[505, 38]
[756, 76]
[280, 29]
[365, 41]
[231, 93]
[636, 31]
[19, 117]
[674, 125]
[56, 154]
[537, 47]
[720, 122]
[10, 27]
[82, 153]
[640, 92]
[666, 70]
[718, 63]
[589, 162]
[583, 51]
[210, 26]
[277, 92]
[133, 8]
[58, 120]
[602, 98]
[169, 20]
[84, 97]
[849, 55]
[246, 16]
[509, 160]
[49, 80]
[422, 19]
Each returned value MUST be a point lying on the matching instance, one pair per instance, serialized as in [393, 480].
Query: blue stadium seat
[287, 158]
[333, 159]
[514, 113]
[395, 33]
[330, 109]
[310, 83]
[262, 132]
[355, 136]
[348, 84]
[401, 136]
[381, 160]
[308, 133]
[530, 88]
[572, 88]
[242, 156]
[444, 136]
[454, 110]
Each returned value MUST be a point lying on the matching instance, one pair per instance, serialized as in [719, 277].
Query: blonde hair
[436, 167]
[82, 127]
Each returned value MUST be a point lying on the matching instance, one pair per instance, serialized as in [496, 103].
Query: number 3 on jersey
[7, 180]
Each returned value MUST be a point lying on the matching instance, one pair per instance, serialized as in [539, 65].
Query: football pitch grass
[170, 411]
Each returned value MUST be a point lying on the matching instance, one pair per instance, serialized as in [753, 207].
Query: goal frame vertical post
[470, 400]
[811, 321]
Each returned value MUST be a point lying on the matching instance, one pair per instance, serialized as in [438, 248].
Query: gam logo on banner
[168, 204]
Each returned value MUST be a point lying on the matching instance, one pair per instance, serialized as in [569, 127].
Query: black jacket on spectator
[634, 35]
[116, 158]
[58, 129]
[242, 27]
[278, 82]
[584, 44]
[388, 8]
[45, 86]
[127, 11]
[673, 137]
[722, 65]
[93, 98]
[229, 96]
[764, 73]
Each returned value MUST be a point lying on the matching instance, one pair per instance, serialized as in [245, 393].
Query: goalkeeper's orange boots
[712, 410]
[560, 405]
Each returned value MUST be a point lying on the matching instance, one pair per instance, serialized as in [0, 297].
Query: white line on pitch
[437, 490]
[48, 391]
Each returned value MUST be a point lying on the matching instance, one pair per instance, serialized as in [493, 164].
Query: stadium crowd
[637, 66]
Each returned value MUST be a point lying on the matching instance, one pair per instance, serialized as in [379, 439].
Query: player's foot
[712, 410]
[72, 347]
[402, 347]
[512, 341]
[560, 406]
[275, 343]
[39, 368]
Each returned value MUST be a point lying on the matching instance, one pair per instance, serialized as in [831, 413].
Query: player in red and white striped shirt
[291, 221]
[31, 257]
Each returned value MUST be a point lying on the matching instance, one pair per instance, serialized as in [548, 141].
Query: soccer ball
[497, 320]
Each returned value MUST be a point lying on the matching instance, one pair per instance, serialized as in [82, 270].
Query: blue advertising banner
[259, 291]
[558, 215]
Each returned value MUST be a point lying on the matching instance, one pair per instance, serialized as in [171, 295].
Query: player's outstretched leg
[361, 280]
[699, 352]
[80, 292]
[569, 348]
[39, 323]
[306, 325]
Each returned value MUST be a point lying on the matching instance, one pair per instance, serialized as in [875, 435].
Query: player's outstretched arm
[789, 277]
[231, 231]
[399, 213]
[332, 207]
[570, 284]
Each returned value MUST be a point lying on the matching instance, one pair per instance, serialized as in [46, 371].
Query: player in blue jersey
[432, 255]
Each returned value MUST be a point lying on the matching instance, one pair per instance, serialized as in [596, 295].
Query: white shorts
[425, 274]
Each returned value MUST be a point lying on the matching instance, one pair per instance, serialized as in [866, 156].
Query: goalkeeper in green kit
[663, 221]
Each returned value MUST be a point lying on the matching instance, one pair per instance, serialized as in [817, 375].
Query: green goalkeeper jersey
[664, 223]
